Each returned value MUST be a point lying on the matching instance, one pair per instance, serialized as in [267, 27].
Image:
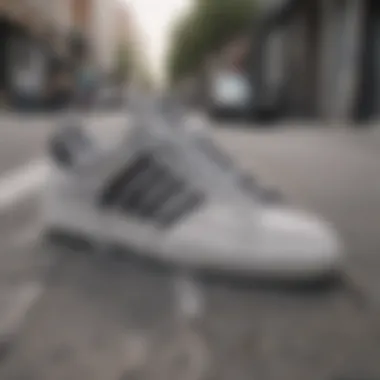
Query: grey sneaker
[166, 196]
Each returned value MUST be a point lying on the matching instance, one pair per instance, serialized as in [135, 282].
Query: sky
[154, 18]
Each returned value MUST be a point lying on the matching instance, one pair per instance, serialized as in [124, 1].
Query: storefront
[23, 65]
[28, 72]
[330, 53]
[369, 88]
[270, 57]
[5, 32]
[32, 42]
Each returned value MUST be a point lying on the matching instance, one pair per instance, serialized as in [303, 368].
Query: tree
[185, 49]
[124, 63]
[206, 28]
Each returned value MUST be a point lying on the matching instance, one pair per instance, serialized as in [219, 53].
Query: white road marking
[22, 182]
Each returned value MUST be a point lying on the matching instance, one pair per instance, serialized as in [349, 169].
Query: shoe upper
[186, 188]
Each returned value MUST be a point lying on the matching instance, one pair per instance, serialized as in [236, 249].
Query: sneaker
[203, 143]
[161, 195]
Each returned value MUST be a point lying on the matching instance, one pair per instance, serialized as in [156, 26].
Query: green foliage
[209, 25]
[186, 46]
[124, 62]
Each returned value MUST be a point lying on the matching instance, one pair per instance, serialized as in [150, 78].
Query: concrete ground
[99, 315]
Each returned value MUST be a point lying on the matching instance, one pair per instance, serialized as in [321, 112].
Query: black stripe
[131, 202]
[115, 189]
[158, 196]
[187, 204]
[134, 193]
[147, 190]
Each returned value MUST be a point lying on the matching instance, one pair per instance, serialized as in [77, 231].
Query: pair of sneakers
[173, 194]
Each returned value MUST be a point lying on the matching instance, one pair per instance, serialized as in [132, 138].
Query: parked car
[230, 94]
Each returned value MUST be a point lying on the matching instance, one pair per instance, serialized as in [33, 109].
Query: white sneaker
[158, 194]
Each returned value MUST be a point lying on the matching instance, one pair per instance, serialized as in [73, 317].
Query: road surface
[102, 315]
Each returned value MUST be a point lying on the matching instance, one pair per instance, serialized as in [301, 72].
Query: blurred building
[31, 31]
[320, 57]
[310, 58]
[36, 32]
[104, 33]
[102, 24]
[368, 89]
[125, 25]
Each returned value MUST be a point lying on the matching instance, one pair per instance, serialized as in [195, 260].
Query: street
[96, 314]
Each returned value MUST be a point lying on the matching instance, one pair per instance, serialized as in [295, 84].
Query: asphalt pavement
[95, 313]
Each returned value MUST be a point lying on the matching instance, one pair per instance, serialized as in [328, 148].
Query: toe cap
[296, 242]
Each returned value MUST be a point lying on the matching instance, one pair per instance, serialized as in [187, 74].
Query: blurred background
[290, 88]
[59, 53]
[300, 59]
[295, 59]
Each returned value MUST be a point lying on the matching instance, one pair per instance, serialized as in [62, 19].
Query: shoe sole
[77, 240]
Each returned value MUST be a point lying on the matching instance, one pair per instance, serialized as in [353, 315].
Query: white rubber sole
[96, 227]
